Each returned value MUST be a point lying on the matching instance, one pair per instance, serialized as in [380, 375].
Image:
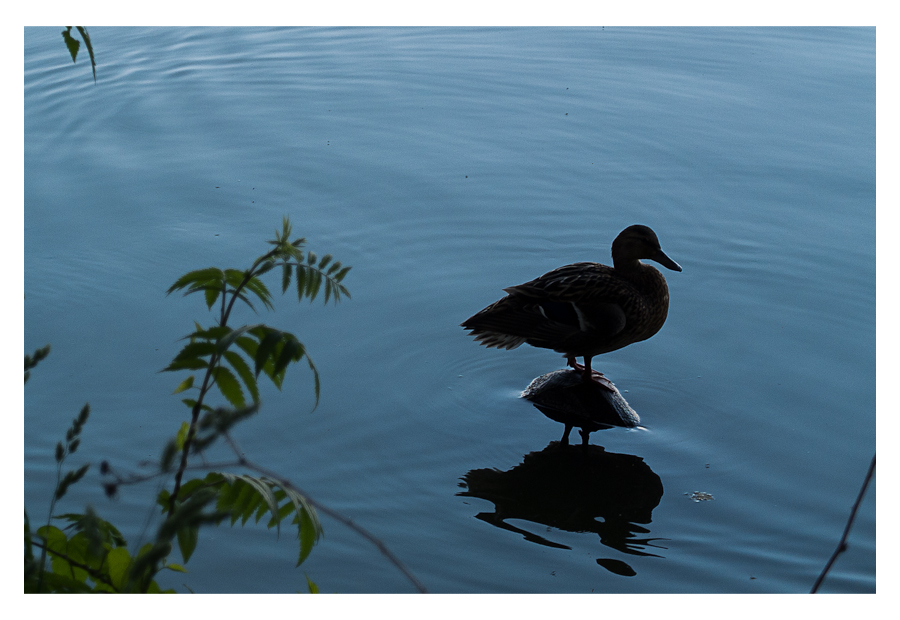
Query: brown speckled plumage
[584, 309]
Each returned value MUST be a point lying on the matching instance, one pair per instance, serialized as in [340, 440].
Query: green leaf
[267, 346]
[243, 370]
[191, 403]
[256, 286]
[84, 414]
[265, 267]
[340, 274]
[260, 486]
[301, 282]
[207, 276]
[253, 503]
[182, 434]
[235, 277]
[226, 340]
[229, 386]
[185, 385]
[186, 364]
[248, 345]
[244, 299]
[178, 568]
[90, 49]
[283, 511]
[76, 553]
[195, 484]
[187, 537]
[242, 501]
[66, 585]
[316, 384]
[290, 352]
[190, 357]
[215, 332]
[285, 277]
[309, 532]
[313, 588]
[313, 283]
[119, 561]
[72, 44]
[212, 294]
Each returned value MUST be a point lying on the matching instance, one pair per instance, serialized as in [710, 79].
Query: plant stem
[842, 545]
[195, 415]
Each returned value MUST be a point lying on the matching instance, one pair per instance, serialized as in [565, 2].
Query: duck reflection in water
[577, 489]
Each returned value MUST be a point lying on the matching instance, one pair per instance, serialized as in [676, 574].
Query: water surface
[445, 164]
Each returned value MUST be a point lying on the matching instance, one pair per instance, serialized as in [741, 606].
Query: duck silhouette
[584, 309]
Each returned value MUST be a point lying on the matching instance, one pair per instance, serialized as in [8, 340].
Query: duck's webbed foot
[588, 373]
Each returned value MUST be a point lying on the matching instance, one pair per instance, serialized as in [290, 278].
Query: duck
[584, 309]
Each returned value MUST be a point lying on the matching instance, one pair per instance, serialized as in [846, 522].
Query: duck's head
[637, 242]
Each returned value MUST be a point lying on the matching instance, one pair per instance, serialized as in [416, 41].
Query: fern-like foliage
[241, 497]
[268, 350]
[90, 554]
[265, 350]
[231, 359]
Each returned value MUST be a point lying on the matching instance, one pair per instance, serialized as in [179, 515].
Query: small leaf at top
[185, 385]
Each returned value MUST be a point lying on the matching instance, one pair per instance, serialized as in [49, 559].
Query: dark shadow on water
[576, 488]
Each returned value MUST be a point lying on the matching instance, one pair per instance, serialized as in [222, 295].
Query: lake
[445, 164]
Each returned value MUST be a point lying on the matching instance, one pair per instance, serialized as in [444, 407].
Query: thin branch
[91, 571]
[334, 515]
[192, 431]
[842, 546]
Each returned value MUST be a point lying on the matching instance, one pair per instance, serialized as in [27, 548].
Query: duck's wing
[568, 283]
[582, 297]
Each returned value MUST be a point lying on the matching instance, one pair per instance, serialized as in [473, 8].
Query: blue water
[445, 164]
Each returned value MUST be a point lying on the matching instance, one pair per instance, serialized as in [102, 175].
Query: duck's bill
[661, 258]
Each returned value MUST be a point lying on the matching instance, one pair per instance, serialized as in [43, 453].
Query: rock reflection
[577, 489]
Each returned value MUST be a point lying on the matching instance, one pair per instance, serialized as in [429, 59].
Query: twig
[842, 546]
[95, 574]
[334, 515]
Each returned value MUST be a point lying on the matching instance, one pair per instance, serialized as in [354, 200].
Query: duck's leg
[589, 374]
[585, 438]
[584, 369]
